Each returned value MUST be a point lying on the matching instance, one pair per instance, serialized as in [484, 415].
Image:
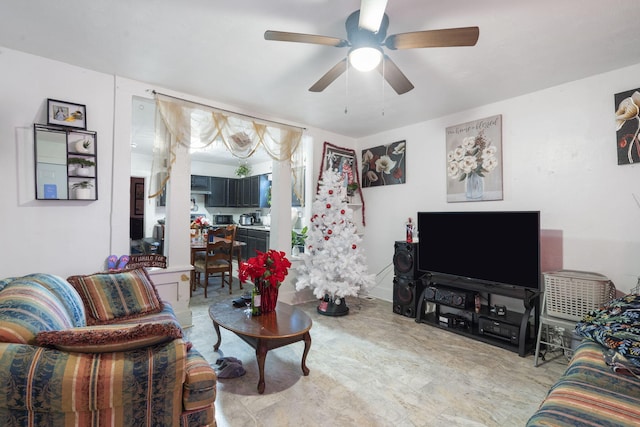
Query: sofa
[97, 350]
[601, 385]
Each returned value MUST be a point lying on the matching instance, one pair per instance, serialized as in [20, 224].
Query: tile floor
[373, 368]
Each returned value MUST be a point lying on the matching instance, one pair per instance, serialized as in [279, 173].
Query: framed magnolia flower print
[474, 160]
[384, 165]
[627, 106]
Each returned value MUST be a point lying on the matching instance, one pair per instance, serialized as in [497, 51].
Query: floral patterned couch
[601, 386]
[97, 350]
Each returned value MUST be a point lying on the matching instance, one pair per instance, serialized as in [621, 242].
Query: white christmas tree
[333, 261]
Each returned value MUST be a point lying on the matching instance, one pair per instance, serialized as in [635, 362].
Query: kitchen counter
[256, 227]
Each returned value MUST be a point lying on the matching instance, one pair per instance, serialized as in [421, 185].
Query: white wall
[60, 237]
[559, 157]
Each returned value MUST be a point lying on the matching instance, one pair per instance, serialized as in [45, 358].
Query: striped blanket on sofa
[601, 386]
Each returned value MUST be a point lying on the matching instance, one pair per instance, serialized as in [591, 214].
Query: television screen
[495, 247]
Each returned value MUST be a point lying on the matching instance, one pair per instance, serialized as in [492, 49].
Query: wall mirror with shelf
[65, 163]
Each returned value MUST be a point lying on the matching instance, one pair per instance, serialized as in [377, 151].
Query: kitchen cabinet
[232, 192]
[258, 240]
[254, 239]
[65, 163]
[200, 183]
[254, 191]
[249, 192]
[242, 235]
[219, 192]
[244, 198]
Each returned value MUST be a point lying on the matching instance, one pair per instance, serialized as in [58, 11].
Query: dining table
[201, 246]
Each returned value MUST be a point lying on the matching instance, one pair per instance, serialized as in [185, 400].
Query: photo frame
[384, 165]
[474, 160]
[344, 161]
[627, 122]
[61, 113]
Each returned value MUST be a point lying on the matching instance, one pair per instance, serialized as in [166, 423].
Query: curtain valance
[197, 126]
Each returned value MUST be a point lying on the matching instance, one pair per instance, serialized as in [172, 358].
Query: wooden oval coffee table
[286, 325]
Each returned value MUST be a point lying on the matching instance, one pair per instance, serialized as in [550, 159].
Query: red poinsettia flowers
[272, 266]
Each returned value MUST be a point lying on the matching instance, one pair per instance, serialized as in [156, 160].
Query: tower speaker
[405, 295]
[405, 260]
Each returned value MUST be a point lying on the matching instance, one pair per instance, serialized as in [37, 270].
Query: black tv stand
[512, 331]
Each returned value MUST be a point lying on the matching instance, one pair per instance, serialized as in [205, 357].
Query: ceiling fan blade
[392, 74]
[284, 36]
[371, 13]
[330, 76]
[466, 36]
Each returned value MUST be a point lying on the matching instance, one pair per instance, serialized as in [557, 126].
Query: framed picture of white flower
[474, 160]
[384, 165]
[627, 126]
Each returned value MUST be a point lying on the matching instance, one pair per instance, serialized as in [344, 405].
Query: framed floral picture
[474, 160]
[384, 165]
[627, 105]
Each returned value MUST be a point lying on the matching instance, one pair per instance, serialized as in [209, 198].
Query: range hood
[200, 192]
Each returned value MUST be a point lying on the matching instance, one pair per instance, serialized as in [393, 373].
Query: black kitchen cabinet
[258, 240]
[254, 191]
[232, 192]
[242, 235]
[244, 198]
[199, 183]
[254, 239]
[249, 192]
[219, 192]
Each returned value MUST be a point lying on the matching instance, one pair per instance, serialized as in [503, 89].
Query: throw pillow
[110, 338]
[113, 296]
[615, 326]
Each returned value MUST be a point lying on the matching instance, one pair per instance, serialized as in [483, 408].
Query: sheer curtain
[198, 126]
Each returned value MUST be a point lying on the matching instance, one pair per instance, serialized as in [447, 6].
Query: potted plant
[82, 165]
[297, 240]
[243, 170]
[82, 146]
[82, 189]
[351, 188]
[267, 270]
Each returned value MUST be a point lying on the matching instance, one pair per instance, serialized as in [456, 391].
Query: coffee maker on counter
[250, 218]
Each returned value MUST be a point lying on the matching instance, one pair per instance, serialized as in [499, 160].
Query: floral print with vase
[470, 162]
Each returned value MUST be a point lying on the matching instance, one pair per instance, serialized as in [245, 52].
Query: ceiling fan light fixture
[365, 58]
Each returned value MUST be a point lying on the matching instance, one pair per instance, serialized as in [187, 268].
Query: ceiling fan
[367, 34]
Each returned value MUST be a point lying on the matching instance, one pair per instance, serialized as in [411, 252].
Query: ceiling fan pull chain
[382, 81]
[346, 88]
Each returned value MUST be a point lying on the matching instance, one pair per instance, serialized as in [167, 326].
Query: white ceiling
[215, 49]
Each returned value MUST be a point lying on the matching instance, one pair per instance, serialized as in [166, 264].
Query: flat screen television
[496, 248]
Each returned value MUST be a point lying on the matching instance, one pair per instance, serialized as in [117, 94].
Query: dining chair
[218, 260]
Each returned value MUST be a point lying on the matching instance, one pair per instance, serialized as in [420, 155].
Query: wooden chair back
[218, 258]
